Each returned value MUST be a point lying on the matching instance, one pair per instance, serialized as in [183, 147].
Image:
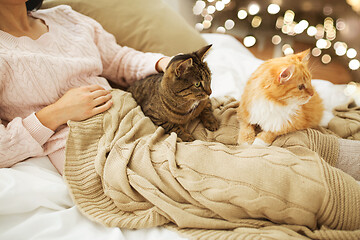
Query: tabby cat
[180, 94]
[278, 98]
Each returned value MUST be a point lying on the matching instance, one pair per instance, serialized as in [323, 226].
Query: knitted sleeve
[21, 139]
[121, 64]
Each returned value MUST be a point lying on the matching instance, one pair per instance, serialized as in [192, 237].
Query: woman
[54, 67]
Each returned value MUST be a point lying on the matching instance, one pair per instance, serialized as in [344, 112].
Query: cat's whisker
[313, 66]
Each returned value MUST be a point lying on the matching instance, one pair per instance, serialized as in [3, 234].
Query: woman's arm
[21, 139]
[122, 65]
[24, 138]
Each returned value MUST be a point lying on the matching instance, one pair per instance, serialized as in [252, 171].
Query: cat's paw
[212, 124]
[186, 137]
[260, 142]
[243, 142]
[245, 139]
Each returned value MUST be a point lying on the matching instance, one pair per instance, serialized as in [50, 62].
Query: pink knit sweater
[76, 51]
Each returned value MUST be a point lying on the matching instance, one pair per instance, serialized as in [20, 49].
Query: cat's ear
[201, 53]
[182, 66]
[304, 56]
[286, 74]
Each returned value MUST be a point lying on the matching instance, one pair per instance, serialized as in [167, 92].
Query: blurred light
[340, 51]
[301, 26]
[288, 51]
[229, 24]
[351, 53]
[291, 29]
[326, 58]
[289, 16]
[319, 31]
[304, 24]
[208, 18]
[242, 14]
[285, 29]
[206, 24]
[256, 21]
[285, 46]
[328, 23]
[298, 29]
[311, 31]
[327, 10]
[219, 6]
[279, 22]
[331, 34]
[249, 41]
[199, 7]
[199, 27]
[273, 8]
[211, 9]
[276, 39]
[339, 44]
[316, 52]
[340, 24]
[221, 30]
[210, 1]
[254, 8]
[340, 48]
[354, 64]
[321, 43]
[226, 1]
[328, 44]
[204, 12]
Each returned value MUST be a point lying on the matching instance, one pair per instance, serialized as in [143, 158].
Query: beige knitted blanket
[123, 171]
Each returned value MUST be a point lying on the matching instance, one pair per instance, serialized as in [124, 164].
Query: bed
[35, 202]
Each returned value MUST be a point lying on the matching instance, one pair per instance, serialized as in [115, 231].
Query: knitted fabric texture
[76, 51]
[123, 171]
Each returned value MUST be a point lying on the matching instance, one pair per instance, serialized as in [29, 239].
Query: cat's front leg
[246, 133]
[179, 130]
[265, 138]
[208, 119]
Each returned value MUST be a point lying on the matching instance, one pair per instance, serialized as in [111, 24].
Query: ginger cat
[278, 98]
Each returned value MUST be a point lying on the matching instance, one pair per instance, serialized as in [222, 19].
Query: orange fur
[276, 98]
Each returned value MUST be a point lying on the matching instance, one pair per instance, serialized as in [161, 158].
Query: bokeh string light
[324, 34]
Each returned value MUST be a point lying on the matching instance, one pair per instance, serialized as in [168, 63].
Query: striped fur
[180, 94]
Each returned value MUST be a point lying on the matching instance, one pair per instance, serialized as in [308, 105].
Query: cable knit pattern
[76, 51]
[124, 171]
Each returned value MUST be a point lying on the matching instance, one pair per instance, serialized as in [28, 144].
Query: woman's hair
[33, 4]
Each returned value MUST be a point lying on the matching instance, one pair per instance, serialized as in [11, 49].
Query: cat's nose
[208, 91]
[310, 92]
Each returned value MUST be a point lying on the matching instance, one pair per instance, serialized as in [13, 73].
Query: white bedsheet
[34, 202]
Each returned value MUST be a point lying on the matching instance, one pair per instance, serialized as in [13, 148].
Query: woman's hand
[76, 104]
[162, 64]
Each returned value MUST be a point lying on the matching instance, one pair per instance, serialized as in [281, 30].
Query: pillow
[146, 25]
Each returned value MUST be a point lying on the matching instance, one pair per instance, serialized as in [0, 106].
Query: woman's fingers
[103, 107]
[94, 87]
[101, 99]
[99, 93]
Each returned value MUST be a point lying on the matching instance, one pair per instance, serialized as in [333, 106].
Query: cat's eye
[301, 87]
[197, 84]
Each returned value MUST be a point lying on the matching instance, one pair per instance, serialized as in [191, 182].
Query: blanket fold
[124, 171]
